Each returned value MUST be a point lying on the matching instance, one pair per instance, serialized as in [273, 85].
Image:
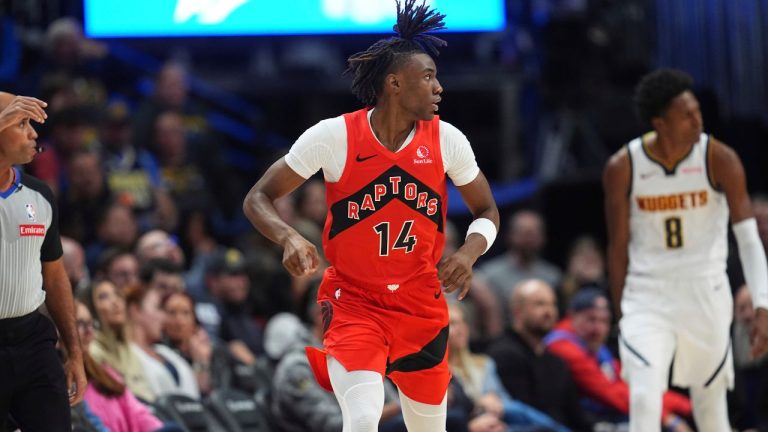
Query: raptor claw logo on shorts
[326, 310]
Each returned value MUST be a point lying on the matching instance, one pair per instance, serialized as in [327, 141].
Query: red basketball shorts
[401, 333]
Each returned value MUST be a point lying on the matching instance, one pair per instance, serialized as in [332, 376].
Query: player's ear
[658, 123]
[392, 83]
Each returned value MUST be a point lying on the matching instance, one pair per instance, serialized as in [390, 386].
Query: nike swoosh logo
[363, 159]
[437, 294]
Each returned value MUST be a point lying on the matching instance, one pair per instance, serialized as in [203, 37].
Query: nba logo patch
[31, 214]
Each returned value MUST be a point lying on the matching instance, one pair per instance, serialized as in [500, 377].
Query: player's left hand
[76, 381]
[455, 272]
[760, 333]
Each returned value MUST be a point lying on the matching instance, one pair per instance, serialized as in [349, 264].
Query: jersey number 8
[674, 229]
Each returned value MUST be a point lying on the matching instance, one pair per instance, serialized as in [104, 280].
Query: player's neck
[389, 126]
[664, 149]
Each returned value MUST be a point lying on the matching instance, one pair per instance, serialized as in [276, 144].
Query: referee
[34, 389]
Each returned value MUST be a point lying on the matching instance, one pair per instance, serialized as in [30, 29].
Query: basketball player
[385, 171]
[33, 385]
[669, 194]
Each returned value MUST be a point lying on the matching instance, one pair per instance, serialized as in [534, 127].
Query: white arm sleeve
[323, 146]
[753, 261]
[458, 157]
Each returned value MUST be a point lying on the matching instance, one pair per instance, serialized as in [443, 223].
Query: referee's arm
[58, 300]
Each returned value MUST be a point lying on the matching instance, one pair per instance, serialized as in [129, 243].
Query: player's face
[420, 89]
[17, 143]
[682, 121]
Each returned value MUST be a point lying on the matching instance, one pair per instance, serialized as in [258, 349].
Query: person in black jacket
[529, 373]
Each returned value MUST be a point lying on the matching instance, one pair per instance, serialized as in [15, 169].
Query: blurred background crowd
[187, 313]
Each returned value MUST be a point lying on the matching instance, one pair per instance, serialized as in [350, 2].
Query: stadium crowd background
[151, 146]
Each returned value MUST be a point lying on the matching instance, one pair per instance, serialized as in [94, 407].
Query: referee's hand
[76, 381]
[22, 107]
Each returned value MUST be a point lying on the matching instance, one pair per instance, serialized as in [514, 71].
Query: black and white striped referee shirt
[29, 234]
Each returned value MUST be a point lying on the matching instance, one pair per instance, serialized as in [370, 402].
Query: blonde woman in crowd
[111, 345]
[106, 395]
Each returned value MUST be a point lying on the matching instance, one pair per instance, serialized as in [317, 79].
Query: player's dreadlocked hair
[369, 67]
[657, 89]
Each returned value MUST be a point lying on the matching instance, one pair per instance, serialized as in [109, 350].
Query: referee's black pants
[33, 386]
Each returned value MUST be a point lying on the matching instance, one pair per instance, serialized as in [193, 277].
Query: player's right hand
[22, 107]
[300, 257]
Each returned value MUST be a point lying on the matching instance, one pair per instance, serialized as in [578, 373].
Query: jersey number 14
[674, 229]
[404, 240]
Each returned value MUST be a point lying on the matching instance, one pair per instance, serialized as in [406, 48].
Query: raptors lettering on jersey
[410, 192]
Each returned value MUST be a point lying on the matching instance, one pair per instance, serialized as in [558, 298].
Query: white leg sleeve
[360, 395]
[710, 408]
[421, 417]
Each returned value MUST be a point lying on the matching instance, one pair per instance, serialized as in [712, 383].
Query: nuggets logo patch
[32, 230]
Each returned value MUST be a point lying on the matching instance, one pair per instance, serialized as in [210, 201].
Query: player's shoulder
[326, 130]
[721, 151]
[619, 160]
[449, 128]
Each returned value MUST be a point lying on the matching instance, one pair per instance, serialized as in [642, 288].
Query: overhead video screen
[186, 18]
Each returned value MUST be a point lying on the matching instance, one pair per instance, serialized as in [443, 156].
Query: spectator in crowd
[162, 275]
[110, 345]
[85, 198]
[525, 239]
[227, 316]
[132, 173]
[107, 396]
[158, 244]
[182, 332]
[749, 404]
[171, 92]
[199, 243]
[480, 307]
[167, 372]
[115, 228]
[528, 371]
[585, 267]
[477, 377]
[181, 175]
[310, 205]
[74, 264]
[68, 132]
[118, 266]
[580, 340]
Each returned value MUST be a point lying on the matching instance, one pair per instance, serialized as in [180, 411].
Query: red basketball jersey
[386, 214]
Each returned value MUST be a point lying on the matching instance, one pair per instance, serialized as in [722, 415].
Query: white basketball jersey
[678, 220]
